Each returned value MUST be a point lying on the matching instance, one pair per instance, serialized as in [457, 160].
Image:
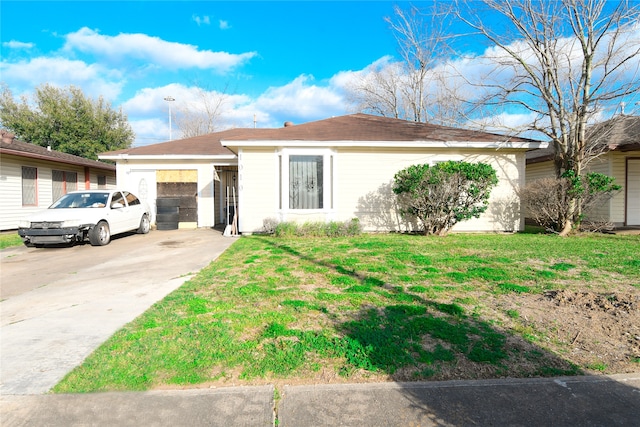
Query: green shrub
[313, 228]
[442, 195]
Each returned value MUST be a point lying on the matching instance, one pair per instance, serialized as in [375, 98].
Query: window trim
[66, 182]
[35, 186]
[328, 179]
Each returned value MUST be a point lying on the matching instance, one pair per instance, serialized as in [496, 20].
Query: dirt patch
[597, 331]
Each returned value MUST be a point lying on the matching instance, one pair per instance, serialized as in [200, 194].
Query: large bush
[439, 196]
[545, 200]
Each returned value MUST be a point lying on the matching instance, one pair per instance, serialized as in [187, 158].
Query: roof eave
[519, 145]
[37, 156]
[127, 156]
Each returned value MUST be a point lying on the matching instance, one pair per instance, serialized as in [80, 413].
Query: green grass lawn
[8, 240]
[365, 308]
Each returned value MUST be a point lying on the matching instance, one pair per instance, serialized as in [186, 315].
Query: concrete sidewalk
[569, 401]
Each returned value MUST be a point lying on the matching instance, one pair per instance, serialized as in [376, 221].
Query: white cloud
[94, 80]
[152, 131]
[14, 44]
[153, 51]
[201, 20]
[224, 25]
[300, 100]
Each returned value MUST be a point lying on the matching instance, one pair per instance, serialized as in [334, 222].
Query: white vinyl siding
[601, 211]
[259, 177]
[540, 170]
[11, 186]
[365, 181]
[358, 184]
[613, 164]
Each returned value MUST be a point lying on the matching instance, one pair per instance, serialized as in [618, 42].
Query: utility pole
[169, 99]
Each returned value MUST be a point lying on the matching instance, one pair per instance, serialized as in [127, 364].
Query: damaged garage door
[182, 185]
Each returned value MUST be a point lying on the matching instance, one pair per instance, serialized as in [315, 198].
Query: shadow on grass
[412, 338]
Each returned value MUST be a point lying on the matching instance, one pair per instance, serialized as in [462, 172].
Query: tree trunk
[568, 226]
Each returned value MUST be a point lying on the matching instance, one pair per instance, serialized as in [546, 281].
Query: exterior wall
[139, 177]
[11, 186]
[602, 211]
[614, 164]
[539, 170]
[361, 188]
[258, 186]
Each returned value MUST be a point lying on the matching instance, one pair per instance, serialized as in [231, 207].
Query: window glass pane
[57, 184]
[131, 199]
[102, 181]
[117, 198]
[29, 188]
[305, 182]
[71, 181]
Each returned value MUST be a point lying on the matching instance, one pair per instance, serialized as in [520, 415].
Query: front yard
[385, 308]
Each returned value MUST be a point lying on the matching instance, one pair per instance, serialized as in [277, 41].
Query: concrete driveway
[58, 304]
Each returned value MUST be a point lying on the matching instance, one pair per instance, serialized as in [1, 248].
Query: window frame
[33, 190]
[328, 180]
[67, 185]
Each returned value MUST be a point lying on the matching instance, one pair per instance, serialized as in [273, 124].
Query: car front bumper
[38, 236]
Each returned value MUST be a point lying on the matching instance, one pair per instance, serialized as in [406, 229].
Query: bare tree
[413, 88]
[202, 114]
[563, 61]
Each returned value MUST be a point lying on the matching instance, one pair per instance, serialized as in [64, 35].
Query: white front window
[306, 179]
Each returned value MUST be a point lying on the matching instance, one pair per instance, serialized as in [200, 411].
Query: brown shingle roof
[620, 133]
[9, 145]
[203, 145]
[365, 127]
[354, 127]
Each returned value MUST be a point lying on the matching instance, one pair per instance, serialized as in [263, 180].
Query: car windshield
[81, 200]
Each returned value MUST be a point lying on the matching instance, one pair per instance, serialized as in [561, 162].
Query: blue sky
[266, 52]
[277, 61]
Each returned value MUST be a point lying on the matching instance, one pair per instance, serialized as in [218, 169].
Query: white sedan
[90, 214]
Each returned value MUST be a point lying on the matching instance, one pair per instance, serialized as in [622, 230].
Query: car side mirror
[116, 205]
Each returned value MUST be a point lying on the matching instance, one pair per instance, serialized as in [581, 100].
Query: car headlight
[71, 223]
[24, 223]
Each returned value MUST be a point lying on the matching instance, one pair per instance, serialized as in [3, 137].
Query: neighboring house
[33, 177]
[334, 169]
[620, 141]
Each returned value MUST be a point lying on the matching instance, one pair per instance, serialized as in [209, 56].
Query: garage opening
[181, 185]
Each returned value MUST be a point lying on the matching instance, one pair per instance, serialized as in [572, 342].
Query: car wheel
[145, 225]
[100, 235]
